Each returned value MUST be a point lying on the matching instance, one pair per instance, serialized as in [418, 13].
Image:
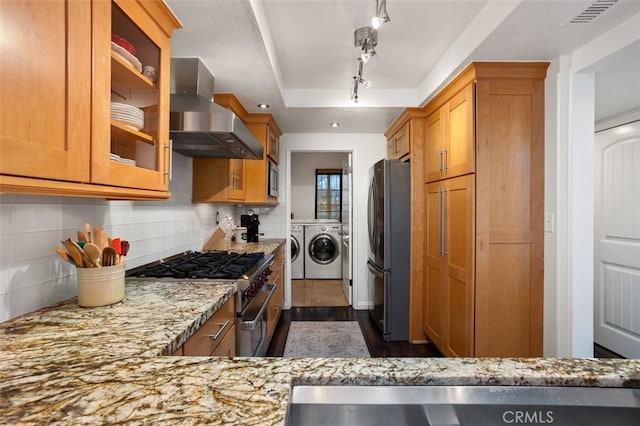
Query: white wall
[272, 218]
[366, 149]
[303, 179]
[31, 274]
[570, 102]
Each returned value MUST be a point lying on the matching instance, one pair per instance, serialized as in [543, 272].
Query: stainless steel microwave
[272, 179]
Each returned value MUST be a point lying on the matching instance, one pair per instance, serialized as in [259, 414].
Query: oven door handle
[254, 320]
[223, 326]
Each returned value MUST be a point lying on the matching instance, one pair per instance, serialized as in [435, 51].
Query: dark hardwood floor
[602, 352]
[373, 338]
[377, 346]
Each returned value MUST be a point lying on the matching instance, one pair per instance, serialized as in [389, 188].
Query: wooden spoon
[94, 253]
[65, 256]
[82, 236]
[87, 230]
[101, 236]
[74, 251]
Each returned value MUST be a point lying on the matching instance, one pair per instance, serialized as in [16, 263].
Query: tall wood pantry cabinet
[59, 76]
[484, 201]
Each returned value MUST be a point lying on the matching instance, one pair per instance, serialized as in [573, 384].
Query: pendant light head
[382, 17]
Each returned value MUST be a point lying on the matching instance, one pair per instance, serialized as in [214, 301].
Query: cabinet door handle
[444, 222]
[169, 153]
[444, 160]
[223, 326]
[440, 160]
[440, 222]
[233, 180]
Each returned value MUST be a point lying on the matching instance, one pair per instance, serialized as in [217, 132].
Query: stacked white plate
[127, 114]
[126, 56]
[116, 157]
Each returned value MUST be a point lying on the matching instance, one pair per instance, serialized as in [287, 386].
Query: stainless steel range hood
[198, 126]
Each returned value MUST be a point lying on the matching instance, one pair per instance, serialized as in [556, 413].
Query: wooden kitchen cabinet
[45, 93]
[493, 306]
[450, 134]
[227, 346]
[398, 146]
[405, 134]
[274, 308]
[273, 140]
[449, 263]
[266, 130]
[214, 178]
[57, 135]
[219, 180]
[216, 337]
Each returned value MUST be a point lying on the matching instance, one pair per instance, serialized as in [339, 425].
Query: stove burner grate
[202, 265]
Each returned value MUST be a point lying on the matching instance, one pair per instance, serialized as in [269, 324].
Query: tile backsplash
[31, 274]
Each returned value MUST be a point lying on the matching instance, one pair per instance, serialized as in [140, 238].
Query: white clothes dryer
[323, 258]
[297, 252]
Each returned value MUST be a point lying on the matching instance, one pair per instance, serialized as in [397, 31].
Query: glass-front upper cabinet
[136, 104]
[93, 124]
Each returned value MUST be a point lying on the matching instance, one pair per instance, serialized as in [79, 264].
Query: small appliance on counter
[251, 222]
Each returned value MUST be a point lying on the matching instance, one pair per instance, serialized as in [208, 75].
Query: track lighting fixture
[382, 16]
[366, 38]
[357, 81]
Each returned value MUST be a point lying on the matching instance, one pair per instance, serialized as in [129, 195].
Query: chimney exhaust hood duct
[198, 126]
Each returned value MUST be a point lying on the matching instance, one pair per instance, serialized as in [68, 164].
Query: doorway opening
[320, 207]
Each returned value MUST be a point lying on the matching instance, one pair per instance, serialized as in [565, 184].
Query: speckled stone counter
[216, 391]
[264, 245]
[70, 365]
[154, 319]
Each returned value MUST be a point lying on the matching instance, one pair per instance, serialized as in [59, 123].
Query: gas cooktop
[201, 265]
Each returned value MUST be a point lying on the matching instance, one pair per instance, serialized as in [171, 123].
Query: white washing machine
[297, 252]
[322, 257]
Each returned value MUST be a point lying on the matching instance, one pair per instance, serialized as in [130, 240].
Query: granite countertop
[268, 245]
[67, 364]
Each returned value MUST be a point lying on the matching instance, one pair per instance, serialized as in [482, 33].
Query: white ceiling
[298, 56]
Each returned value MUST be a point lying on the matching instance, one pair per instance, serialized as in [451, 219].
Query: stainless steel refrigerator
[388, 219]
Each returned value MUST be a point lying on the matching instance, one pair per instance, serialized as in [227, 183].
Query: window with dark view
[329, 194]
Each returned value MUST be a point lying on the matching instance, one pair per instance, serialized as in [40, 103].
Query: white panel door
[617, 240]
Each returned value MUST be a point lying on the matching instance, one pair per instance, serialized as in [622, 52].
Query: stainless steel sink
[462, 405]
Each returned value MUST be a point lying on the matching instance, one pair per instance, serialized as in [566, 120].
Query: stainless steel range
[249, 270]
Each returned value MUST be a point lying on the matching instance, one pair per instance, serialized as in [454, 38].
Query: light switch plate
[549, 223]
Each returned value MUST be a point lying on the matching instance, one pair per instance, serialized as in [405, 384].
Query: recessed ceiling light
[334, 124]
[263, 106]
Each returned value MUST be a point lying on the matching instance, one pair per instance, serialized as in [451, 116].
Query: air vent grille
[592, 11]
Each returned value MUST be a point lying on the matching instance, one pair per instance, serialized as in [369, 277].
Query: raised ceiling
[298, 56]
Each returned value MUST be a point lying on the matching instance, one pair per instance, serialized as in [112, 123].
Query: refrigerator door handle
[372, 216]
[375, 268]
